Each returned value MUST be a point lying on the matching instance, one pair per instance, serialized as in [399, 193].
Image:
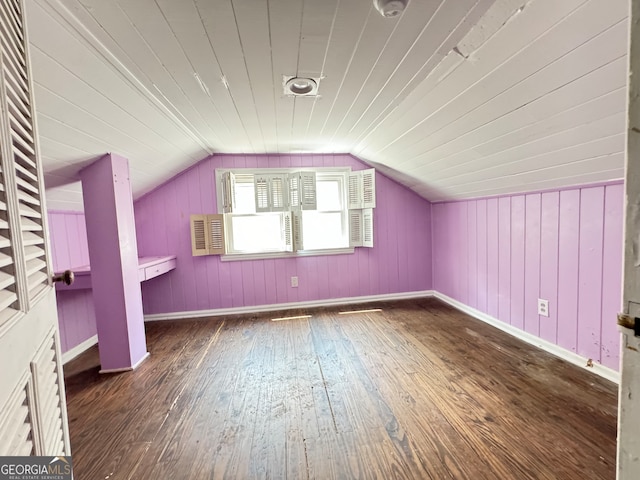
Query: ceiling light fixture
[390, 8]
[301, 86]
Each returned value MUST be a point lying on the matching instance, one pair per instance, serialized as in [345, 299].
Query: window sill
[233, 257]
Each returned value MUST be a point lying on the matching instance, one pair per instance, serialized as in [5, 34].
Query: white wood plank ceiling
[455, 98]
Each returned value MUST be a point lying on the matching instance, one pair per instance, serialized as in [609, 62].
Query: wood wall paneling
[504, 259]
[549, 260]
[76, 315]
[563, 246]
[493, 252]
[537, 104]
[518, 213]
[532, 264]
[399, 262]
[568, 285]
[481, 252]
[611, 271]
[590, 271]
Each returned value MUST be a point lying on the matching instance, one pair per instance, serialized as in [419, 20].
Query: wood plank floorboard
[418, 390]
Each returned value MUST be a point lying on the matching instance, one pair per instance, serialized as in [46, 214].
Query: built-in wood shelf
[148, 268]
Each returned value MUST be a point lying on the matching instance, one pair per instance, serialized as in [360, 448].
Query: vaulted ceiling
[455, 98]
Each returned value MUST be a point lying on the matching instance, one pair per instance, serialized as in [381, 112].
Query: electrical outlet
[294, 281]
[543, 307]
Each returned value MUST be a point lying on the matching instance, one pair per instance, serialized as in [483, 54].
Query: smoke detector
[300, 86]
[390, 8]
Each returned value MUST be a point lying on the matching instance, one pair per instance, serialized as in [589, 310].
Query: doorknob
[65, 277]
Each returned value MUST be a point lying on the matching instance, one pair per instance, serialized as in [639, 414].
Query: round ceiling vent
[301, 86]
[390, 8]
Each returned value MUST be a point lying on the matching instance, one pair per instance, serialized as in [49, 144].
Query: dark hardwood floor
[418, 390]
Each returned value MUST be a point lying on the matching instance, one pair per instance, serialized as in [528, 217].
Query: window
[283, 212]
[326, 227]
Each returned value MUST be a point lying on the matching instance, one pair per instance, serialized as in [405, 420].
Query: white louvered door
[33, 418]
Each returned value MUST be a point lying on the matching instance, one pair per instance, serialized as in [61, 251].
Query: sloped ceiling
[455, 98]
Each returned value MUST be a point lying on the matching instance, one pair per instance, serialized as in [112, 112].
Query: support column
[113, 253]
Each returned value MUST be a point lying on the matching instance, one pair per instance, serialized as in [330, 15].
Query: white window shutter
[216, 244]
[287, 220]
[228, 189]
[261, 186]
[294, 191]
[207, 235]
[298, 241]
[198, 235]
[368, 188]
[308, 199]
[361, 228]
[355, 228]
[355, 190]
[367, 227]
[362, 189]
[278, 194]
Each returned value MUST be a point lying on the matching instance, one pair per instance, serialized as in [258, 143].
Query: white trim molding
[126, 369]
[287, 306]
[563, 353]
[78, 349]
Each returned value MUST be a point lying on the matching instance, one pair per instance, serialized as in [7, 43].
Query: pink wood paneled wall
[68, 234]
[399, 262]
[69, 249]
[499, 255]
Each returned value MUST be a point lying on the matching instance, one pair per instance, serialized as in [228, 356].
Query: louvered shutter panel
[8, 295]
[355, 190]
[355, 228]
[18, 435]
[368, 188]
[216, 244]
[278, 194]
[228, 192]
[298, 241]
[261, 185]
[294, 191]
[198, 235]
[45, 372]
[19, 122]
[308, 191]
[362, 189]
[207, 235]
[367, 227]
[287, 220]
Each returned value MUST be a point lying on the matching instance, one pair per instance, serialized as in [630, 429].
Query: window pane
[257, 233]
[245, 194]
[323, 230]
[329, 194]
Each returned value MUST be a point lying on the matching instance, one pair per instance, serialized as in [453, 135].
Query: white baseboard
[78, 349]
[287, 306]
[126, 369]
[545, 345]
